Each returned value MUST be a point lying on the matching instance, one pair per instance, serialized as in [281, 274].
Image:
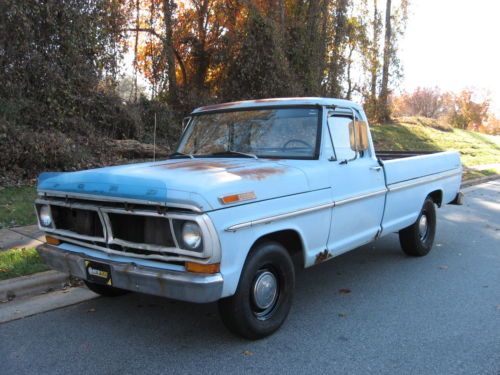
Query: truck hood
[198, 182]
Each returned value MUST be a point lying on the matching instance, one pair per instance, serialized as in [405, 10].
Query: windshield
[272, 133]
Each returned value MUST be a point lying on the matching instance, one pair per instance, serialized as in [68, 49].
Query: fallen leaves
[247, 353]
[443, 267]
[344, 291]
[91, 310]
[342, 314]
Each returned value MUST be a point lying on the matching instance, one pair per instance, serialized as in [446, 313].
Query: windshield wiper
[178, 154]
[231, 152]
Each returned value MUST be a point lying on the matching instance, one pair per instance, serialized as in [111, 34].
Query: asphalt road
[435, 315]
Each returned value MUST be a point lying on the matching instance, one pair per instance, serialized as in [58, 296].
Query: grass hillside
[478, 151]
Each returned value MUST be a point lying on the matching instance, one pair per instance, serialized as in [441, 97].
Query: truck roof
[278, 102]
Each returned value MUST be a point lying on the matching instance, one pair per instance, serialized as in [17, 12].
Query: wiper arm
[180, 154]
[232, 152]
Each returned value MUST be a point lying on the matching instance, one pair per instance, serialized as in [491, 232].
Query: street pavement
[371, 311]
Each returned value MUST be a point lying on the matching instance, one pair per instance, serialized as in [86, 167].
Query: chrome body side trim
[360, 197]
[423, 180]
[286, 215]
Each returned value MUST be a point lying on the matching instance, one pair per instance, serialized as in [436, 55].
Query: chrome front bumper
[178, 285]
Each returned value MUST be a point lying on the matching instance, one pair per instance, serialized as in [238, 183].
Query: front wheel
[417, 239]
[264, 294]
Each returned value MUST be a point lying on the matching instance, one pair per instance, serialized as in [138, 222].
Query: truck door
[358, 185]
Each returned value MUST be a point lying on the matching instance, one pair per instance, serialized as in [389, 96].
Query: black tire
[415, 240]
[105, 290]
[241, 312]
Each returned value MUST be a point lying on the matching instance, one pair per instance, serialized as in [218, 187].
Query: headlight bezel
[192, 236]
[179, 233]
[44, 213]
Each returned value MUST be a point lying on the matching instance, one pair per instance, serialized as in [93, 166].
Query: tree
[337, 63]
[467, 111]
[424, 101]
[383, 112]
[372, 62]
[260, 70]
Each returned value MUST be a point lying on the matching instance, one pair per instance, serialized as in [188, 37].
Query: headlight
[191, 235]
[45, 217]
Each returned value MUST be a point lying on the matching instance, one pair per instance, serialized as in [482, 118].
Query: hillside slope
[422, 134]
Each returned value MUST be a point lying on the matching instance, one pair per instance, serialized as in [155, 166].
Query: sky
[453, 44]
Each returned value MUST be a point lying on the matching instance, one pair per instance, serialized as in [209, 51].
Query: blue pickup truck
[255, 190]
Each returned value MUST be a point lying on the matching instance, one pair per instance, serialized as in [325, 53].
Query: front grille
[141, 231]
[150, 230]
[77, 220]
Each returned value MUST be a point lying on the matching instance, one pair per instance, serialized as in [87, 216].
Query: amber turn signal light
[52, 241]
[202, 268]
[237, 197]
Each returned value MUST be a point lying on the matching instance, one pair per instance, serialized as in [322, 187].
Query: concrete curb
[32, 284]
[32, 305]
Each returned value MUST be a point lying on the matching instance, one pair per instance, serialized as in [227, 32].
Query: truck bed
[411, 176]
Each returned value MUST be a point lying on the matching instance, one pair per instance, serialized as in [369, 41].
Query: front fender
[312, 228]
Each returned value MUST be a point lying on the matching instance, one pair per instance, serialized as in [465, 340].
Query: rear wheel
[417, 239]
[264, 294]
[105, 290]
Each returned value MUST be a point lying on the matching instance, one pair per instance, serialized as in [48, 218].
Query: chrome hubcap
[423, 227]
[265, 290]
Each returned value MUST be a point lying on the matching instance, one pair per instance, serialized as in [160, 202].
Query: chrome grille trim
[211, 249]
[68, 233]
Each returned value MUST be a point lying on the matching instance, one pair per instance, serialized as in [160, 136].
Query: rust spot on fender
[322, 256]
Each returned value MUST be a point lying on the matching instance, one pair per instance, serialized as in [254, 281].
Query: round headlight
[45, 218]
[191, 235]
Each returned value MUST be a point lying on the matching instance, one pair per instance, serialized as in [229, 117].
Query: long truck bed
[410, 176]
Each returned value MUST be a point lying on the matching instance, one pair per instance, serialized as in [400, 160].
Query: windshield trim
[317, 148]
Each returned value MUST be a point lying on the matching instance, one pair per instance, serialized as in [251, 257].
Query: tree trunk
[384, 112]
[350, 87]
[337, 63]
[168, 48]
[136, 45]
[374, 53]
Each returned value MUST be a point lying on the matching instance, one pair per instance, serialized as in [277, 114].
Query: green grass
[20, 262]
[16, 206]
[470, 174]
[422, 134]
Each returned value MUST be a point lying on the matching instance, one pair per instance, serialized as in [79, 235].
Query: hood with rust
[190, 181]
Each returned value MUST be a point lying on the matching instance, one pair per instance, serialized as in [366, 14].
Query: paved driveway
[435, 315]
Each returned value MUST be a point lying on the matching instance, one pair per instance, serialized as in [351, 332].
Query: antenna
[154, 140]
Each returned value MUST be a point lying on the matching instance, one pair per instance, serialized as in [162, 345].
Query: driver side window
[339, 130]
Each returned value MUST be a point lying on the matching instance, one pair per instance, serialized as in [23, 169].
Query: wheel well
[291, 241]
[437, 197]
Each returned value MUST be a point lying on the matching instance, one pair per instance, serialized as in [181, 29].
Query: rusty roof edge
[277, 102]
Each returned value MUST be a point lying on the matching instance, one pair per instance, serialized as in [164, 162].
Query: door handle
[376, 169]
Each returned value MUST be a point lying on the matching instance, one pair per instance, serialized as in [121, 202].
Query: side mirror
[185, 122]
[358, 135]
